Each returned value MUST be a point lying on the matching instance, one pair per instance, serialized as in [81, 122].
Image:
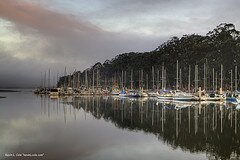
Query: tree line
[219, 46]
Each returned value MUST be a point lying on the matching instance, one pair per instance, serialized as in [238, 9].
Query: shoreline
[8, 90]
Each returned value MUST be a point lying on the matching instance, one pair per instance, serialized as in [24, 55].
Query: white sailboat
[165, 95]
[183, 96]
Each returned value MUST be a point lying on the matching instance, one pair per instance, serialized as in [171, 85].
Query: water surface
[107, 128]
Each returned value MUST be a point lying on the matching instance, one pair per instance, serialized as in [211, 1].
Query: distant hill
[219, 46]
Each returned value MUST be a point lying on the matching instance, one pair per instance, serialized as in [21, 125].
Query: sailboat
[142, 93]
[133, 93]
[178, 95]
[233, 97]
[183, 96]
[115, 91]
[55, 93]
[214, 96]
[217, 95]
[165, 95]
[123, 93]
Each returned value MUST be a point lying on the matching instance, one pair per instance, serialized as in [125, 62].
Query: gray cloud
[174, 17]
[63, 40]
[54, 39]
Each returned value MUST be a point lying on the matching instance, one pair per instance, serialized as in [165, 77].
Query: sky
[36, 36]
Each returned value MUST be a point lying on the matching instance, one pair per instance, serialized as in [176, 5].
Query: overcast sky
[43, 34]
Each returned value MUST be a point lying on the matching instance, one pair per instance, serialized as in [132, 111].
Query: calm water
[106, 128]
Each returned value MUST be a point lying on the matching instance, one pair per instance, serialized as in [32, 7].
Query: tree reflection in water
[212, 128]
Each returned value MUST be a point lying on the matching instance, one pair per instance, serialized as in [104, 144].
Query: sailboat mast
[45, 77]
[153, 77]
[49, 78]
[180, 78]
[196, 78]
[165, 78]
[142, 78]
[139, 81]
[204, 76]
[177, 77]
[41, 85]
[131, 79]
[69, 80]
[147, 81]
[57, 79]
[93, 81]
[235, 78]
[231, 86]
[53, 81]
[78, 80]
[221, 76]
[162, 76]
[216, 81]
[86, 79]
[75, 79]
[65, 78]
[122, 79]
[189, 80]
[97, 78]
[125, 78]
[213, 80]
[157, 79]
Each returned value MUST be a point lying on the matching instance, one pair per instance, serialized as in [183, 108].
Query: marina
[119, 80]
[78, 84]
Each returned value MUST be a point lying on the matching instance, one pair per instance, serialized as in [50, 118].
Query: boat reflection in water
[210, 128]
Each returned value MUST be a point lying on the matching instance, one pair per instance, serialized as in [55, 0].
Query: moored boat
[165, 95]
[215, 97]
[54, 92]
[183, 96]
[133, 93]
[123, 94]
[142, 94]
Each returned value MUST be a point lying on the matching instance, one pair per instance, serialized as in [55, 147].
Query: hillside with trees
[219, 46]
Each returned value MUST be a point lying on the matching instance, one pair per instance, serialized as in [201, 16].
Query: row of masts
[46, 80]
[214, 78]
[159, 81]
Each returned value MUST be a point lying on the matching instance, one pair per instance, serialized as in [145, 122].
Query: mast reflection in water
[212, 128]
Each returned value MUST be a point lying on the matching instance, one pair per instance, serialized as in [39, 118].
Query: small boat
[142, 94]
[165, 95]
[235, 97]
[41, 91]
[86, 92]
[183, 96]
[215, 97]
[115, 91]
[67, 92]
[123, 94]
[133, 93]
[97, 92]
[54, 92]
[153, 94]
